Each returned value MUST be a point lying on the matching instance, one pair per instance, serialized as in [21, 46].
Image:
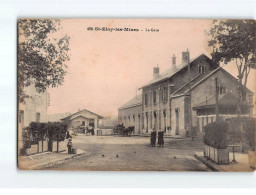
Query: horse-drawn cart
[120, 130]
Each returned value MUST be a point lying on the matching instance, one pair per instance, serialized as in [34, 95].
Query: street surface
[110, 153]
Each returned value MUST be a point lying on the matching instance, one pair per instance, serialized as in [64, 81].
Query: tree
[41, 56]
[234, 40]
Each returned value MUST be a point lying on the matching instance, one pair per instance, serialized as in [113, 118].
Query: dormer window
[201, 69]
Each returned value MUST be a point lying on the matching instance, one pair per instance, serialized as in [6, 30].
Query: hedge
[216, 134]
[35, 132]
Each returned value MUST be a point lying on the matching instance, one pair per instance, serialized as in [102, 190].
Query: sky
[106, 68]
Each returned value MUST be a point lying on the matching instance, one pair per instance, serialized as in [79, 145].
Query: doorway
[164, 113]
[155, 121]
[91, 123]
[177, 114]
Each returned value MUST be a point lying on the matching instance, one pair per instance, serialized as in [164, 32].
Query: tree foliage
[35, 132]
[234, 40]
[42, 55]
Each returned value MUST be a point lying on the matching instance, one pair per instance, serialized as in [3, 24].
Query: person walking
[161, 138]
[153, 138]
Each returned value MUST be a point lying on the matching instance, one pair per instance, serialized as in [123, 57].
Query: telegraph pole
[216, 99]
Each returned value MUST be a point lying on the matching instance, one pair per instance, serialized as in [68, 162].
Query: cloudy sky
[105, 68]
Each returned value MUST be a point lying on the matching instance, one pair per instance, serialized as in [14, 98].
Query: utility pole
[190, 106]
[217, 100]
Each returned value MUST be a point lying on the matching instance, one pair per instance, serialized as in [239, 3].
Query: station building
[83, 118]
[165, 100]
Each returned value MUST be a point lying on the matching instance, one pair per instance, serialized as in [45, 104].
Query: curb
[31, 156]
[207, 163]
[55, 162]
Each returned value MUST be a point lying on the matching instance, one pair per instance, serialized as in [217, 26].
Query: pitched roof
[170, 72]
[136, 101]
[185, 89]
[224, 100]
[68, 117]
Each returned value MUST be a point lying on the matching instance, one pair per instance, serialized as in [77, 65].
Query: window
[154, 96]
[165, 94]
[201, 69]
[170, 89]
[250, 98]
[222, 90]
[146, 99]
[37, 117]
[160, 95]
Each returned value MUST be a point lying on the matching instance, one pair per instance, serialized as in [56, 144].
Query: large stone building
[130, 114]
[32, 109]
[165, 100]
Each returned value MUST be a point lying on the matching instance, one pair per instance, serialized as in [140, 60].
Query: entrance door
[138, 124]
[146, 122]
[91, 123]
[177, 121]
[164, 121]
[155, 121]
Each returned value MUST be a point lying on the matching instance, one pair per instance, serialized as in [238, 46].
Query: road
[109, 153]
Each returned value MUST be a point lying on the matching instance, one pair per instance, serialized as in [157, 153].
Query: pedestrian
[70, 145]
[161, 138]
[153, 138]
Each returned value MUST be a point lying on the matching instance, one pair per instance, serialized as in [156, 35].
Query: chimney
[173, 62]
[185, 56]
[155, 71]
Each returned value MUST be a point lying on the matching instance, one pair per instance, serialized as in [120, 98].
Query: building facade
[83, 118]
[165, 101]
[130, 114]
[33, 109]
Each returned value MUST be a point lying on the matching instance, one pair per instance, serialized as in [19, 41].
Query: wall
[133, 113]
[178, 105]
[88, 115]
[207, 89]
[77, 122]
[172, 84]
[35, 103]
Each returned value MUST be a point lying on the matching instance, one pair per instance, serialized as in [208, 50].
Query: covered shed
[83, 118]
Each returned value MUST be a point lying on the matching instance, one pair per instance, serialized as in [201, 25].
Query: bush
[57, 131]
[216, 135]
[35, 132]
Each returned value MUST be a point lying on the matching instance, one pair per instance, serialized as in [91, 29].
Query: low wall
[32, 150]
[220, 156]
[62, 146]
[43, 146]
[104, 132]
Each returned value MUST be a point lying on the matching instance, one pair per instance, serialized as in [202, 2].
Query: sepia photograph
[136, 94]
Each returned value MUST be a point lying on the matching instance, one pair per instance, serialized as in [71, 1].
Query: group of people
[160, 140]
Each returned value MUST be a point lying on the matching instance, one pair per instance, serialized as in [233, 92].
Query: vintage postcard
[136, 94]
